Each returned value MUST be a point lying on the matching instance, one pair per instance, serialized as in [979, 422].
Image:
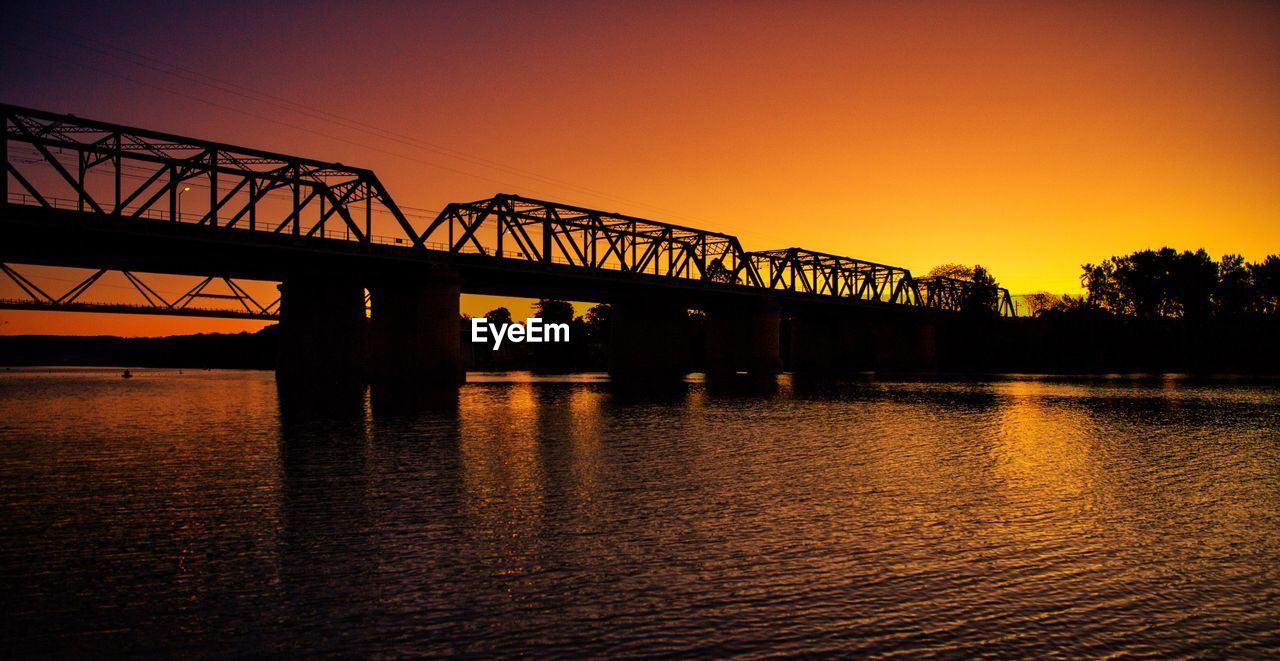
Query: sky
[1027, 137]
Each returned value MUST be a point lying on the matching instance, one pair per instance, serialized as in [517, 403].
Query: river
[190, 514]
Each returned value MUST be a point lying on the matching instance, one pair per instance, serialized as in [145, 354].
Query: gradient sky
[1030, 138]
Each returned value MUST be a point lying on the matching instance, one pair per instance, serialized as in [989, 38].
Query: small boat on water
[126, 375]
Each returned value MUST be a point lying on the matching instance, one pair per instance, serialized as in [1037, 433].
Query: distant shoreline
[896, 376]
[1055, 344]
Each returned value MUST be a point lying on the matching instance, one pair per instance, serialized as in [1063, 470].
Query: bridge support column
[833, 344]
[415, 337]
[648, 340]
[322, 331]
[744, 337]
[924, 339]
[825, 344]
[904, 343]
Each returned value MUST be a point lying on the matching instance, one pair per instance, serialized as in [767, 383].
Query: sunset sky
[1029, 138]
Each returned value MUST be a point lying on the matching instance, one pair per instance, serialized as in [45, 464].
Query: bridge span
[92, 195]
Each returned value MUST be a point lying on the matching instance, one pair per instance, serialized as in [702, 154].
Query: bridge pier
[831, 344]
[414, 333]
[744, 337]
[322, 331]
[648, 339]
[904, 343]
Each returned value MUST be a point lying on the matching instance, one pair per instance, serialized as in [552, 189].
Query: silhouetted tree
[1142, 280]
[1104, 293]
[594, 329]
[1045, 304]
[1072, 304]
[982, 296]
[1193, 279]
[1234, 294]
[1168, 283]
[597, 320]
[556, 356]
[498, 316]
[1265, 277]
[1042, 301]
[508, 354]
[716, 271]
[957, 271]
[553, 311]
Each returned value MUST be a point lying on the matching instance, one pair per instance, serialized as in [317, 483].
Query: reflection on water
[211, 512]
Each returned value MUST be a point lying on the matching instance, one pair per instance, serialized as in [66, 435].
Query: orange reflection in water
[503, 479]
[1041, 447]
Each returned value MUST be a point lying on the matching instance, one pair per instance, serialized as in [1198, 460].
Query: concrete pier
[744, 338]
[833, 344]
[322, 330]
[414, 330]
[648, 340]
[904, 343]
[829, 345]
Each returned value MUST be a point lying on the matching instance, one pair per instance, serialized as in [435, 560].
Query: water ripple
[199, 514]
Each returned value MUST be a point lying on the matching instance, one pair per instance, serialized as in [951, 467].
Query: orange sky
[1026, 137]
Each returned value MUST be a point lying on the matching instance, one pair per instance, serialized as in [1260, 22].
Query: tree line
[1165, 283]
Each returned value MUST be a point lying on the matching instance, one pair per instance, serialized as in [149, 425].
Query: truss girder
[553, 233]
[811, 272]
[265, 191]
[237, 302]
[944, 293]
[236, 180]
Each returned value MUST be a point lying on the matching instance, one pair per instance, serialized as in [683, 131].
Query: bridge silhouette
[85, 194]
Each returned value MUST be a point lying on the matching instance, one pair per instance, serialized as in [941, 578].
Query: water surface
[194, 514]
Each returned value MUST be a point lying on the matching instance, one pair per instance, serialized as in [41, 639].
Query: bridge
[369, 290]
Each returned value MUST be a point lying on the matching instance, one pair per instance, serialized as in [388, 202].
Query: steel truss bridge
[110, 198]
